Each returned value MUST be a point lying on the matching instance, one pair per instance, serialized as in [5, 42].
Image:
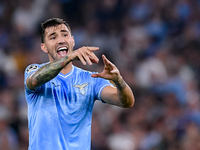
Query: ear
[43, 47]
[73, 41]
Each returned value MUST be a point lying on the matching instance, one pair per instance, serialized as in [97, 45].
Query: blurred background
[154, 43]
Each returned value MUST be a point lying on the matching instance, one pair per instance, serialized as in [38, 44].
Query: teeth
[62, 48]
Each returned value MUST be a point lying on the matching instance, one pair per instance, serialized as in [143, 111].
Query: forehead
[57, 28]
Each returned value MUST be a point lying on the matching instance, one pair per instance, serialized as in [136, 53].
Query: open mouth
[62, 51]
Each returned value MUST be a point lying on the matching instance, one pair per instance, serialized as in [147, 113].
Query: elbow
[130, 100]
[34, 82]
[31, 83]
[132, 103]
[129, 104]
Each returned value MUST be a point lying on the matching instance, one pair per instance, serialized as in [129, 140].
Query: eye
[52, 38]
[65, 35]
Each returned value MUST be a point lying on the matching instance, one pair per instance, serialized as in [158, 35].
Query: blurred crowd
[154, 43]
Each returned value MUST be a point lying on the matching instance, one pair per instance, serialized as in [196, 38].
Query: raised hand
[85, 55]
[110, 71]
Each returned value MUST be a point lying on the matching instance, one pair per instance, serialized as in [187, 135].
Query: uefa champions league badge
[31, 68]
[82, 88]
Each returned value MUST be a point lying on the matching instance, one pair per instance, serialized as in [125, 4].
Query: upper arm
[110, 96]
[123, 98]
[28, 74]
[29, 82]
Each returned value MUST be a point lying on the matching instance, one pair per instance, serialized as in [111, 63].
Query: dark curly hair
[52, 22]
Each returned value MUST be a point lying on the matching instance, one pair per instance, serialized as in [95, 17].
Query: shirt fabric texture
[60, 111]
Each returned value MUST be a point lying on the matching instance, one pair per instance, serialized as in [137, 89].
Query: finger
[88, 60]
[92, 48]
[93, 57]
[86, 57]
[95, 75]
[94, 60]
[107, 62]
[104, 60]
[81, 58]
[114, 71]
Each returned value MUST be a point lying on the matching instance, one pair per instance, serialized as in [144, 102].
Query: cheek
[72, 42]
[51, 47]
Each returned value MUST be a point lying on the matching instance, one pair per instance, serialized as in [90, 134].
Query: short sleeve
[28, 71]
[100, 84]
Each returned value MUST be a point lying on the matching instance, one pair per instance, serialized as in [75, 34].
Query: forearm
[124, 93]
[47, 72]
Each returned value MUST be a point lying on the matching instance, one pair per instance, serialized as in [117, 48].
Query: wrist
[71, 56]
[120, 83]
[118, 80]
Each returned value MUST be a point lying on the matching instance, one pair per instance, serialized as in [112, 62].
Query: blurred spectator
[8, 138]
[154, 43]
[27, 15]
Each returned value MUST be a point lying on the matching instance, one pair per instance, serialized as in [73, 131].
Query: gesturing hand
[85, 54]
[110, 71]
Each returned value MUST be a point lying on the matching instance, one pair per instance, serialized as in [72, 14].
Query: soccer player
[60, 96]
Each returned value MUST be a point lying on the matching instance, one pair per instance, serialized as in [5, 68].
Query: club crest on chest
[82, 88]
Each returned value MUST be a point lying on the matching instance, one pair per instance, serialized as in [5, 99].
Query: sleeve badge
[31, 68]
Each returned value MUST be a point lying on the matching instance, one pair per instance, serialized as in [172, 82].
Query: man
[60, 96]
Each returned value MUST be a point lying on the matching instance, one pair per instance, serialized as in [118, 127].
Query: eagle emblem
[82, 88]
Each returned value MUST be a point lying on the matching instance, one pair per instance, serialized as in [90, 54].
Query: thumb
[114, 71]
[96, 75]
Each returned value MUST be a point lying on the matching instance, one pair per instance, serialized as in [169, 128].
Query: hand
[110, 71]
[85, 54]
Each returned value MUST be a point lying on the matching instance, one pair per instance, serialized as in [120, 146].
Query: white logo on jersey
[31, 68]
[81, 88]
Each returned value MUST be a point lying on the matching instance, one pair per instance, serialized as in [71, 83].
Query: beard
[52, 57]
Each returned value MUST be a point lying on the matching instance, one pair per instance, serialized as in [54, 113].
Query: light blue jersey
[60, 111]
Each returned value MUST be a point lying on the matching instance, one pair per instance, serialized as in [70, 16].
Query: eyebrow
[51, 34]
[64, 31]
[60, 31]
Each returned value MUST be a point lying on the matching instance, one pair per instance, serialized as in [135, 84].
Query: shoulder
[33, 67]
[80, 71]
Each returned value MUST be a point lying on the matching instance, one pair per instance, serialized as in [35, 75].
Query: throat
[67, 69]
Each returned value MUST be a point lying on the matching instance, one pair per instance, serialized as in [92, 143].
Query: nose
[61, 40]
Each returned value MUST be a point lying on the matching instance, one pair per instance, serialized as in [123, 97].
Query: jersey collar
[68, 74]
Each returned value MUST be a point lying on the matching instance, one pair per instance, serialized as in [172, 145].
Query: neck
[67, 68]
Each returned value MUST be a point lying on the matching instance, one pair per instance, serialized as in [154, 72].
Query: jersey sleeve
[28, 71]
[100, 84]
